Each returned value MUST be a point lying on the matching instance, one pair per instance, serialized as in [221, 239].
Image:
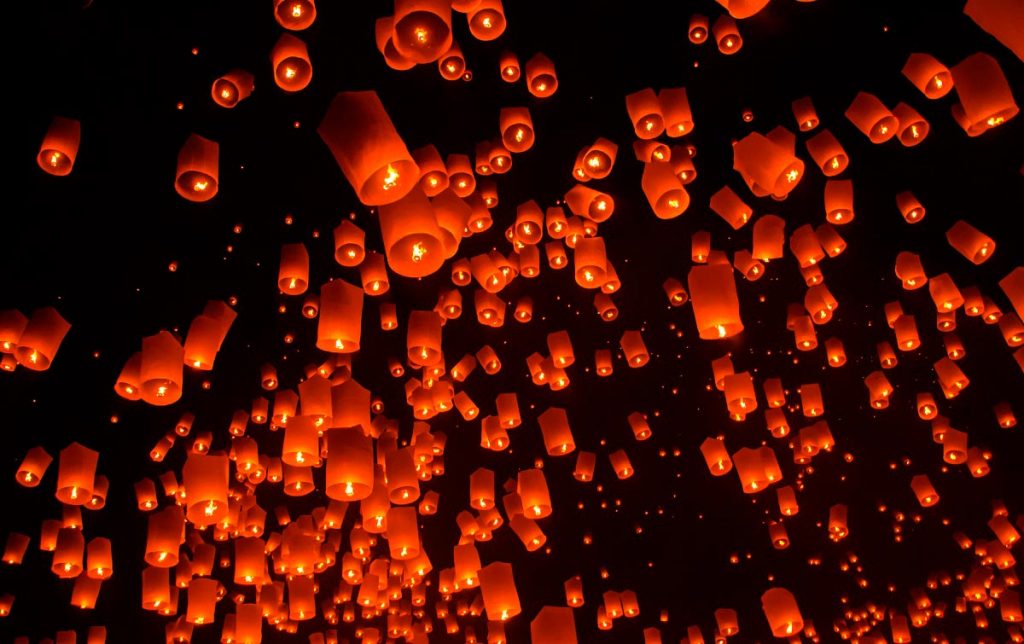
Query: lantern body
[59, 148]
[716, 306]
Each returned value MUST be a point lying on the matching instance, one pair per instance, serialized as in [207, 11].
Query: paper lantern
[645, 113]
[740, 9]
[664, 191]
[872, 117]
[839, 201]
[727, 35]
[727, 204]
[541, 80]
[928, 75]
[160, 369]
[486, 20]
[675, 110]
[452, 64]
[716, 306]
[698, 29]
[805, 114]
[924, 491]
[166, 529]
[633, 348]
[501, 600]
[370, 153]
[422, 29]
[879, 389]
[384, 31]
[827, 152]
[508, 64]
[986, 100]
[780, 607]
[837, 522]
[727, 621]
[349, 464]
[59, 148]
[232, 88]
[68, 555]
[532, 489]
[292, 67]
[295, 15]
[970, 242]
[553, 625]
[913, 128]
[767, 168]
[33, 467]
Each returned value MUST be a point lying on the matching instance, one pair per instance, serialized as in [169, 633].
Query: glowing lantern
[839, 201]
[928, 75]
[730, 207]
[516, 128]
[787, 501]
[769, 238]
[727, 35]
[232, 88]
[76, 474]
[945, 294]
[767, 168]
[349, 464]
[986, 100]
[340, 324]
[634, 349]
[912, 127]
[196, 178]
[727, 621]
[68, 554]
[33, 466]
[879, 389]
[541, 79]
[554, 427]
[872, 117]
[532, 489]
[599, 158]
[452, 64]
[349, 244]
[645, 112]
[460, 174]
[826, 151]
[665, 192]
[970, 242]
[293, 275]
[910, 271]
[741, 9]
[837, 522]
[160, 369]
[620, 464]
[424, 338]
[384, 31]
[698, 29]
[164, 535]
[509, 66]
[59, 148]
[422, 29]
[205, 481]
[292, 68]
[403, 533]
[295, 15]
[924, 491]
[805, 114]
[486, 20]
[501, 601]
[783, 614]
[371, 154]
[716, 306]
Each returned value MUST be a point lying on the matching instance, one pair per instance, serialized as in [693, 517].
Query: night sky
[122, 256]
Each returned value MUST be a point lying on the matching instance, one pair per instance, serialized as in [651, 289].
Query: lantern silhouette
[370, 153]
[423, 29]
[59, 148]
[986, 100]
[716, 306]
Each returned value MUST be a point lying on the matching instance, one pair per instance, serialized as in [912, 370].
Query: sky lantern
[727, 35]
[781, 610]
[928, 75]
[370, 153]
[295, 15]
[645, 112]
[728, 205]
[452, 65]
[40, 338]
[985, 98]
[423, 29]
[292, 67]
[197, 174]
[970, 242]
[698, 29]
[872, 117]
[715, 302]
[508, 66]
[675, 111]
[232, 88]
[486, 20]
[805, 114]
[828, 153]
[59, 148]
[541, 79]
[913, 128]
[665, 192]
[767, 168]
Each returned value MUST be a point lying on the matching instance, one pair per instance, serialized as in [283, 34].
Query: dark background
[97, 245]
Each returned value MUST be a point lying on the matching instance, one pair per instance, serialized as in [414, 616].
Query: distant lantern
[924, 491]
[368, 149]
[872, 117]
[59, 148]
[33, 466]
[423, 29]
[970, 242]
[295, 15]
[292, 68]
[986, 100]
[620, 464]
[928, 75]
[715, 302]
[541, 80]
[293, 275]
[486, 20]
[633, 348]
[828, 153]
[340, 323]
[232, 88]
[42, 335]
[198, 171]
[909, 207]
[350, 473]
